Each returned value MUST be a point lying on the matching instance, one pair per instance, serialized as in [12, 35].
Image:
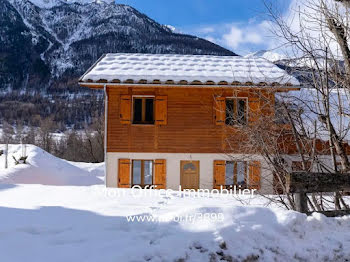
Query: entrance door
[189, 174]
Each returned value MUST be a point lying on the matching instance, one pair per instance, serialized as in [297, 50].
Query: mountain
[47, 44]
[268, 55]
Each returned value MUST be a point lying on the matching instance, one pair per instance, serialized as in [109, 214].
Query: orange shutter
[220, 110]
[160, 173]
[219, 173]
[254, 174]
[124, 173]
[254, 109]
[161, 110]
[125, 109]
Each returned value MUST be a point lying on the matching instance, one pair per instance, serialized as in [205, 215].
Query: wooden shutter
[254, 109]
[160, 173]
[161, 110]
[219, 173]
[125, 109]
[124, 173]
[220, 111]
[254, 174]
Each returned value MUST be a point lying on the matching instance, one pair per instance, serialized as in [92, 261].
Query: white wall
[173, 167]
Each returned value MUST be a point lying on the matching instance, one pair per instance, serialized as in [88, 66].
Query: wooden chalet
[166, 117]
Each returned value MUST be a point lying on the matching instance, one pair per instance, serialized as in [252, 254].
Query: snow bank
[44, 168]
[49, 223]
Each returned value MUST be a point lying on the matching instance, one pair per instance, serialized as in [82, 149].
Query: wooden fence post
[301, 202]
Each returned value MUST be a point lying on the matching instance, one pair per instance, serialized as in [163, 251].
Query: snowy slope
[65, 37]
[52, 3]
[48, 223]
[268, 55]
[44, 168]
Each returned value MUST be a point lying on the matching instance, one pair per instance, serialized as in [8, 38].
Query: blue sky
[239, 25]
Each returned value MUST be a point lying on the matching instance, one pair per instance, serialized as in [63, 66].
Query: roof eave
[100, 85]
[91, 67]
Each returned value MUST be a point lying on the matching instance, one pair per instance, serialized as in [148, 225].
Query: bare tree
[47, 127]
[308, 129]
[95, 139]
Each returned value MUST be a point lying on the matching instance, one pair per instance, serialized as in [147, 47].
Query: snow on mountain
[63, 38]
[46, 169]
[268, 55]
[172, 28]
[52, 3]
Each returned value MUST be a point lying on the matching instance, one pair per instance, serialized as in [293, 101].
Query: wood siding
[188, 117]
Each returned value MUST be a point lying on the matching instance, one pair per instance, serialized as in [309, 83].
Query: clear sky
[239, 25]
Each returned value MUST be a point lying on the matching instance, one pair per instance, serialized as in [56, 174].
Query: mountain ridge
[66, 38]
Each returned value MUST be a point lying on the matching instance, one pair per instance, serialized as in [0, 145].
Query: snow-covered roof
[186, 69]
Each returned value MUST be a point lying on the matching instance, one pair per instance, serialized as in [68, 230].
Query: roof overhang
[101, 85]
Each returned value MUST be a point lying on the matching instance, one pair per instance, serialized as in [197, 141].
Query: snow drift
[44, 168]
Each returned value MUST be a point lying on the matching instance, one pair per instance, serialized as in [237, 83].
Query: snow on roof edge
[174, 69]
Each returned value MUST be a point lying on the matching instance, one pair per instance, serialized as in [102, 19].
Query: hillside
[62, 39]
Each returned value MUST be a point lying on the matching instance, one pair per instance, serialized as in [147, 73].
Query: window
[236, 173]
[236, 111]
[142, 172]
[143, 110]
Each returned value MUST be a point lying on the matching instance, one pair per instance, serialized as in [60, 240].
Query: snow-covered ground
[61, 214]
[44, 168]
[90, 223]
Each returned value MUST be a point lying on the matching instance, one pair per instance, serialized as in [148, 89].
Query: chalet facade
[167, 118]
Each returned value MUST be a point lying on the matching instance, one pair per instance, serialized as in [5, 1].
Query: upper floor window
[143, 110]
[236, 111]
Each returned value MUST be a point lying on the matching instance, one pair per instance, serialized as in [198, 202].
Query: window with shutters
[142, 172]
[236, 173]
[236, 111]
[143, 110]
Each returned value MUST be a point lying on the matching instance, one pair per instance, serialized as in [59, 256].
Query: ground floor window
[142, 172]
[236, 173]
